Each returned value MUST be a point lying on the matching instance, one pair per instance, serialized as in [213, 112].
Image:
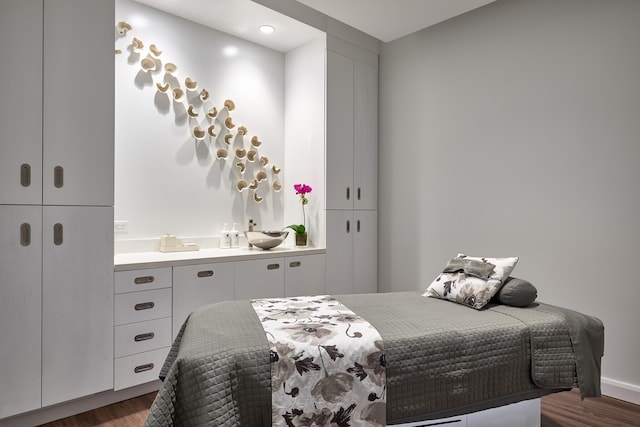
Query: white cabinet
[78, 97]
[352, 162]
[56, 128]
[77, 302]
[365, 137]
[339, 123]
[304, 275]
[20, 308]
[352, 241]
[352, 133]
[198, 285]
[142, 320]
[20, 109]
[259, 278]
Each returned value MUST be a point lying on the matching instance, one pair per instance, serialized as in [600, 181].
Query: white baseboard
[63, 410]
[620, 390]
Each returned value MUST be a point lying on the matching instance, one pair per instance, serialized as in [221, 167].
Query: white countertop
[155, 259]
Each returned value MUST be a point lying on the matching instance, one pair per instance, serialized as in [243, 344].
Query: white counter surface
[155, 259]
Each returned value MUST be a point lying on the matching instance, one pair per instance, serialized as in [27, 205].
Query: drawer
[142, 280]
[141, 306]
[138, 369]
[142, 336]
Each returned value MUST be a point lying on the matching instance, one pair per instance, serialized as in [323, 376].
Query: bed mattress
[443, 359]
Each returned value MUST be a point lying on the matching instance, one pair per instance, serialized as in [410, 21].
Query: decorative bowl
[266, 239]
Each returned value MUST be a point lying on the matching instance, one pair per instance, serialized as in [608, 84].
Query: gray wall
[515, 130]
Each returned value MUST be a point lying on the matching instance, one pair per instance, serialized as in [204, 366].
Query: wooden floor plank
[558, 410]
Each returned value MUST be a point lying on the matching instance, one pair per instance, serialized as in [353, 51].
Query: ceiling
[383, 19]
[388, 20]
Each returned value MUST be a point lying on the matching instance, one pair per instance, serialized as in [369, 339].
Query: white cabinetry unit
[352, 133]
[198, 285]
[56, 197]
[304, 275]
[142, 325]
[351, 252]
[78, 119]
[352, 160]
[20, 308]
[77, 302]
[259, 278]
[20, 109]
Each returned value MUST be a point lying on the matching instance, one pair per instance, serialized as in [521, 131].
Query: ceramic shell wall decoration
[156, 52]
[246, 156]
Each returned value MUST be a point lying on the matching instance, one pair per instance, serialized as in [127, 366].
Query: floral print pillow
[503, 266]
[469, 290]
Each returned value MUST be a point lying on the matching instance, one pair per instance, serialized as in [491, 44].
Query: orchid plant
[302, 190]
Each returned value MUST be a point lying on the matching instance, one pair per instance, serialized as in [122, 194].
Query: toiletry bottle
[225, 237]
[235, 236]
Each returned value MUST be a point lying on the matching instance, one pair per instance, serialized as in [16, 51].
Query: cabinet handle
[144, 306]
[143, 279]
[206, 273]
[25, 174]
[359, 193]
[25, 234]
[273, 266]
[58, 177]
[348, 193]
[295, 264]
[143, 368]
[58, 232]
[358, 226]
[144, 337]
[348, 226]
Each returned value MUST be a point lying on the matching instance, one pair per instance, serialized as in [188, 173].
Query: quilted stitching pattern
[440, 356]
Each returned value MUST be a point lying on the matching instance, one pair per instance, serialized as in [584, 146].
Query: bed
[442, 359]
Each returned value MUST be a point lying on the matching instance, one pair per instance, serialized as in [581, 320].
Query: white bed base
[520, 414]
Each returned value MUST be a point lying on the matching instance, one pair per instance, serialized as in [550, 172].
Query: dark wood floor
[558, 410]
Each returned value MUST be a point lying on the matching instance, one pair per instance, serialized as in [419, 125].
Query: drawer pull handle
[295, 264]
[206, 273]
[348, 193]
[143, 279]
[143, 368]
[273, 266]
[144, 337]
[144, 306]
[25, 234]
[348, 226]
[25, 175]
[57, 234]
[358, 226]
[359, 193]
[58, 177]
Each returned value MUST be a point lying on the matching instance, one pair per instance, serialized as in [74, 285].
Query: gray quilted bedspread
[442, 359]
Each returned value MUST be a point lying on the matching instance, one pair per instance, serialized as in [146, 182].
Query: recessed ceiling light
[267, 29]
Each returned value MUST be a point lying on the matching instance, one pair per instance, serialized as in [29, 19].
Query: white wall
[166, 182]
[514, 130]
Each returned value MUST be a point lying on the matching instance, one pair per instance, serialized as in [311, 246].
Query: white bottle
[225, 237]
[235, 236]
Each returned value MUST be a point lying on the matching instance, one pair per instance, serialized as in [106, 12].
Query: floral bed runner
[327, 363]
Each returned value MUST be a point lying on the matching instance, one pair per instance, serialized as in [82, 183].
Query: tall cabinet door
[339, 256]
[365, 138]
[79, 101]
[365, 252]
[20, 105]
[340, 98]
[20, 308]
[77, 315]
